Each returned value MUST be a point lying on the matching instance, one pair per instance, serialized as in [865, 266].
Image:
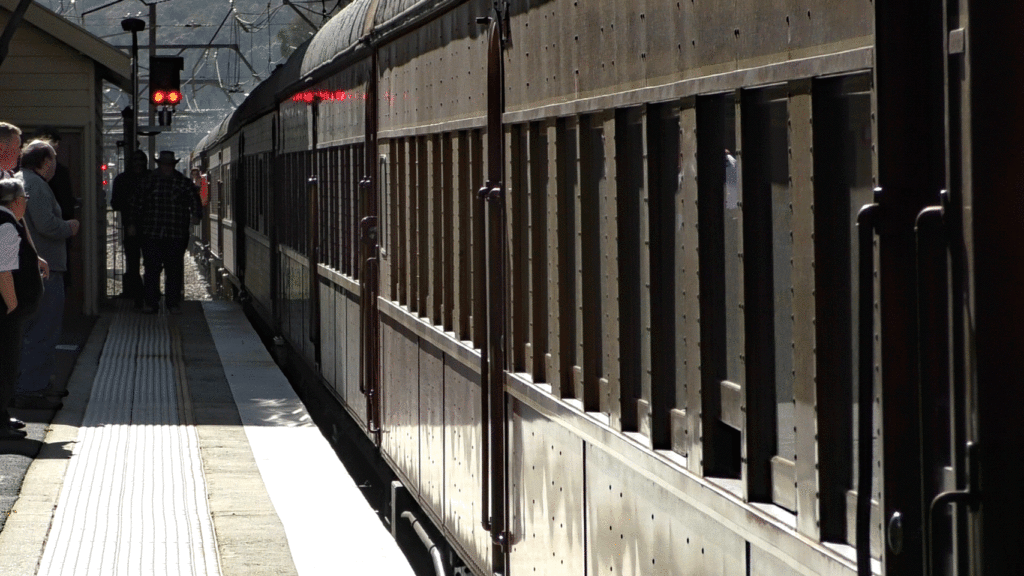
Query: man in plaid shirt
[166, 204]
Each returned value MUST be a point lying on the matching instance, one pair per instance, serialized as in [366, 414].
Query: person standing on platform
[49, 232]
[61, 185]
[161, 213]
[21, 287]
[61, 181]
[10, 149]
[126, 186]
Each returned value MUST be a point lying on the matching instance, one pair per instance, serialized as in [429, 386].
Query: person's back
[127, 185]
[166, 206]
[161, 214]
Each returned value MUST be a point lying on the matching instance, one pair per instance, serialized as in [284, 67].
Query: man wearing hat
[166, 204]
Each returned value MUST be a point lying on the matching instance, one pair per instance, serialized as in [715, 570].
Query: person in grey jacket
[49, 232]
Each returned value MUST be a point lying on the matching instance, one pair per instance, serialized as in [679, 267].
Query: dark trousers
[132, 279]
[164, 254]
[10, 362]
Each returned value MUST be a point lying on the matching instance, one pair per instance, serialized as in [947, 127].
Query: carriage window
[843, 183]
[665, 183]
[721, 355]
[767, 207]
[593, 174]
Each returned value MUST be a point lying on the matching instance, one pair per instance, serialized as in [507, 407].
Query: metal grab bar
[485, 443]
[867, 221]
[932, 243]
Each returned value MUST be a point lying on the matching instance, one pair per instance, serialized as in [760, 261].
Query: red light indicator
[159, 96]
[104, 182]
[173, 97]
[103, 167]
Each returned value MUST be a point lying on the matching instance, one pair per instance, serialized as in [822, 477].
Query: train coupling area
[182, 449]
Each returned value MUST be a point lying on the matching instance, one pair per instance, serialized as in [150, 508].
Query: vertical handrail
[493, 360]
[933, 246]
[867, 220]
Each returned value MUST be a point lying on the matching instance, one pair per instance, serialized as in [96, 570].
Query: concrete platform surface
[182, 449]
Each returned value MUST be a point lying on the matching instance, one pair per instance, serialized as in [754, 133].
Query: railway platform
[182, 449]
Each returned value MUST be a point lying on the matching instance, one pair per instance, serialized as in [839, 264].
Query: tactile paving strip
[134, 500]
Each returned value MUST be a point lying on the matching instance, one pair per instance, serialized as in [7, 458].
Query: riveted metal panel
[227, 231]
[602, 47]
[687, 272]
[353, 346]
[436, 73]
[328, 332]
[431, 406]
[670, 38]
[546, 481]
[257, 253]
[611, 386]
[817, 26]
[341, 382]
[463, 196]
[557, 372]
[463, 440]
[636, 526]
[400, 402]
[762, 564]
[804, 393]
[760, 32]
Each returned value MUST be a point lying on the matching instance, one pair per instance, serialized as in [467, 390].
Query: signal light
[164, 80]
[103, 167]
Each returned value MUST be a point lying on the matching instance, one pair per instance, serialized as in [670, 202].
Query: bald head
[10, 146]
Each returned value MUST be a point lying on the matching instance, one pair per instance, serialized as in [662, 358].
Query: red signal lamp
[159, 97]
[173, 97]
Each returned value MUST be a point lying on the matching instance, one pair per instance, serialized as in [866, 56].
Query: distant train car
[634, 288]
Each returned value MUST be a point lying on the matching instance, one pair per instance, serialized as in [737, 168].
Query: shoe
[11, 434]
[16, 424]
[36, 402]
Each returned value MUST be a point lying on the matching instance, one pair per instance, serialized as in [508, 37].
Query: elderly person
[10, 149]
[49, 231]
[20, 290]
[161, 213]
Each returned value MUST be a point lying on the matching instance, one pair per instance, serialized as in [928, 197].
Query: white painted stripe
[329, 525]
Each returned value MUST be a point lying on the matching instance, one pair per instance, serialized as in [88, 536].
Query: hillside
[215, 80]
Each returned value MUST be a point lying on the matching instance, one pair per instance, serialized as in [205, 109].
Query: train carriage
[596, 281]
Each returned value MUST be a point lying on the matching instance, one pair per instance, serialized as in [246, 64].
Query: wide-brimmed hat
[166, 157]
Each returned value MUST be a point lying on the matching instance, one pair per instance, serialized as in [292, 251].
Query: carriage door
[369, 259]
[945, 257]
[313, 239]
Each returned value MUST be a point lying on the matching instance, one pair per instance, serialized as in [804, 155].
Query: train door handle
[933, 245]
[867, 222]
